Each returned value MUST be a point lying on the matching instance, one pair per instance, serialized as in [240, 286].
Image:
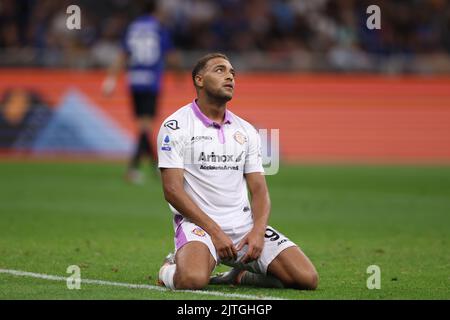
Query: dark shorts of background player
[144, 103]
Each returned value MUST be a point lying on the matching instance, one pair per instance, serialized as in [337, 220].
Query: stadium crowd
[280, 34]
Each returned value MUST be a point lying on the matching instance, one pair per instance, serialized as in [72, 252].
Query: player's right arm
[171, 145]
[174, 193]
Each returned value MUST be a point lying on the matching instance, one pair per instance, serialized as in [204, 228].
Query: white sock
[166, 275]
[260, 280]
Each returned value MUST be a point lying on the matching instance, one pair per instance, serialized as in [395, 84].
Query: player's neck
[214, 110]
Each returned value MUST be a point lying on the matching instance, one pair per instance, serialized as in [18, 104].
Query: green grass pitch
[345, 218]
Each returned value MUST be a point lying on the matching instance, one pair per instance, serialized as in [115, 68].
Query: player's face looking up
[217, 79]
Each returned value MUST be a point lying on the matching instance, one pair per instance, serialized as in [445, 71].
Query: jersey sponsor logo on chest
[201, 138]
[212, 157]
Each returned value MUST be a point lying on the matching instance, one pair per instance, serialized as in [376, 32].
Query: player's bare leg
[290, 269]
[294, 269]
[194, 264]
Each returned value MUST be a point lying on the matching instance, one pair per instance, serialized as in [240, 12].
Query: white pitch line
[135, 286]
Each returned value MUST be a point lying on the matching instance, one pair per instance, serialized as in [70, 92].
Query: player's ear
[198, 81]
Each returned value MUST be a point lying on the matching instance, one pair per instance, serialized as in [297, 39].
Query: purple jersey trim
[221, 135]
[208, 122]
[180, 237]
[177, 219]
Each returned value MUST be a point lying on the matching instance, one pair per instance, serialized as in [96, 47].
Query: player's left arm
[260, 204]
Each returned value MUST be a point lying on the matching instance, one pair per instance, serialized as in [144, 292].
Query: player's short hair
[200, 65]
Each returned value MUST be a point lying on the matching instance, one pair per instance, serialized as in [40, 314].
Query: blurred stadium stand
[308, 35]
[336, 90]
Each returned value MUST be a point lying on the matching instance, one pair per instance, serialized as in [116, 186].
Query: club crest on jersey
[240, 137]
[199, 232]
[172, 124]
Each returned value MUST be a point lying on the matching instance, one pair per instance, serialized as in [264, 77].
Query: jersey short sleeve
[170, 146]
[253, 159]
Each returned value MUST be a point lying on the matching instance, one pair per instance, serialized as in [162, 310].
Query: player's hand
[108, 86]
[255, 242]
[224, 246]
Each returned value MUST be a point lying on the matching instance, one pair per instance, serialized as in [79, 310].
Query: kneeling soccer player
[208, 157]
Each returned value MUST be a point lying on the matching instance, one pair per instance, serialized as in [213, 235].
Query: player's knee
[192, 281]
[309, 280]
[304, 281]
[313, 280]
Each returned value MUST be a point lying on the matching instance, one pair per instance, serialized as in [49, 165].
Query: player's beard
[219, 97]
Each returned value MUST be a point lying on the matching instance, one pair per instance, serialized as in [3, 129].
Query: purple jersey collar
[206, 121]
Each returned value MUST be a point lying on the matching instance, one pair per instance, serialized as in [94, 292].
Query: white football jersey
[214, 158]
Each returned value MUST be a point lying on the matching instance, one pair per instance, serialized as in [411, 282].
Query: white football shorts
[274, 243]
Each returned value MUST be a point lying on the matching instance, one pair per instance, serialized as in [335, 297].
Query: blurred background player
[146, 45]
